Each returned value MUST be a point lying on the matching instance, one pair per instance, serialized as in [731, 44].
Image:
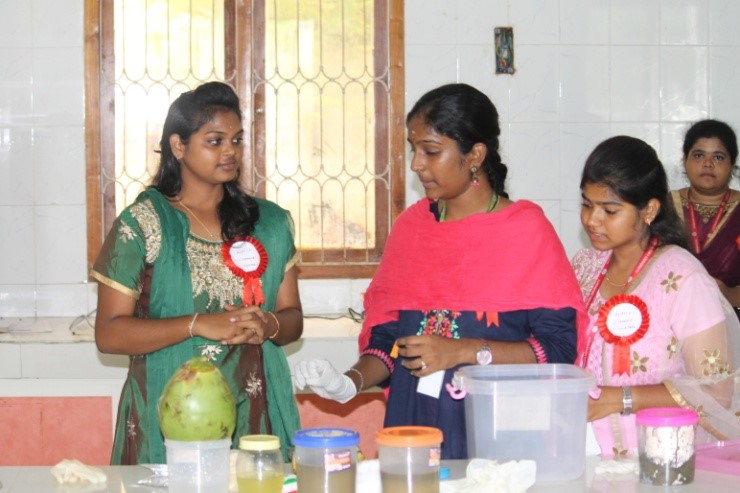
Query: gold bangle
[190, 325]
[277, 322]
[362, 379]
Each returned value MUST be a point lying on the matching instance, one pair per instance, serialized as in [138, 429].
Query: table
[123, 479]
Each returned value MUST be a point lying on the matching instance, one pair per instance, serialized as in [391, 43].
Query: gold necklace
[213, 237]
[492, 203]
[616, 285]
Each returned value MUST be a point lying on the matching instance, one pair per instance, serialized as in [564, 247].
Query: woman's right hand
[321, 377]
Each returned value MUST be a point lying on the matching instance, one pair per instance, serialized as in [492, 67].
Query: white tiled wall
[586, 70]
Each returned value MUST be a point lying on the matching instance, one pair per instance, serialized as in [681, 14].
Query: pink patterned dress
[686, 336]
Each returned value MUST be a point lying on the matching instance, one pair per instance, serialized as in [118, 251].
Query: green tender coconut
[197, 404]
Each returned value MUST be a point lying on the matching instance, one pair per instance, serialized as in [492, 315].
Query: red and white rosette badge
[247, 258]
[623, 320]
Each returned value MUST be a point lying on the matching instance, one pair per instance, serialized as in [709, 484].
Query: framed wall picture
[504, 47]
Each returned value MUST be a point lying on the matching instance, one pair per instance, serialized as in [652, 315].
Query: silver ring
[423, 365]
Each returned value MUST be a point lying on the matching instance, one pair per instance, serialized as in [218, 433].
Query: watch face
[484, 356]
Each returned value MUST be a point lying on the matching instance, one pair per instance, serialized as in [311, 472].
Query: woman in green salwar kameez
[198, 267]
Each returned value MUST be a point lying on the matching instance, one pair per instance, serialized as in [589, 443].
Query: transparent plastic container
[666, 444]
[198, 467]
[326, 460]
[528, 412]
[259, 464]
[409, 459]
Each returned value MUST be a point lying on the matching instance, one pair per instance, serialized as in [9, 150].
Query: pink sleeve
[698, 306]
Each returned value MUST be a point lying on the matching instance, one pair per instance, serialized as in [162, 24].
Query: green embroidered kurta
[150, 255]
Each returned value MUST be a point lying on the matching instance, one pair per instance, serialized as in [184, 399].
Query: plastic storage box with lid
[528, 411]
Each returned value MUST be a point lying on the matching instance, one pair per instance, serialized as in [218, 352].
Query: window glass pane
[318, 86]
[162, 48]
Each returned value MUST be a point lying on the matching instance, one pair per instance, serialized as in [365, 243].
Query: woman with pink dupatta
[467, 277]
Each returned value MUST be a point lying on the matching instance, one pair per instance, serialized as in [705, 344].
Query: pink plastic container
[666, 445]
[721, 457]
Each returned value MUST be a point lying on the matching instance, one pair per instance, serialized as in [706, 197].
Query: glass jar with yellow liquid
[259, 464]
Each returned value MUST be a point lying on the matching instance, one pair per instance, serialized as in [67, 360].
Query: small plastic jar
[666, 445]
[326, 460]
[409, 459]
[259, 464]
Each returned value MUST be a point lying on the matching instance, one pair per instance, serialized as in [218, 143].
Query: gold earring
[474, 176]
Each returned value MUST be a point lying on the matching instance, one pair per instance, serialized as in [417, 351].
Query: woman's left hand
[252, 325]
[609, 402]
[425, 354]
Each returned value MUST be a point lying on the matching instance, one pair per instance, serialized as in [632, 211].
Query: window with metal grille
[321, 83]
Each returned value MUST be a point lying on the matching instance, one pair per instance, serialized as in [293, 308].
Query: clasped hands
[237, 325]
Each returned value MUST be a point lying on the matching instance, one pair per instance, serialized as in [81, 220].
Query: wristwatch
[484, 356]
[626, 401]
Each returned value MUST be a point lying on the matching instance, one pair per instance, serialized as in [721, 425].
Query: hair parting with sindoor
[238, 211]
[467, 116]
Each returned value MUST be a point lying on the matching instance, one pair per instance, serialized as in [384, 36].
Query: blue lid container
[326, 438]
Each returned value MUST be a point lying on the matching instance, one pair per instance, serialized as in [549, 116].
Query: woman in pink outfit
[660, 330]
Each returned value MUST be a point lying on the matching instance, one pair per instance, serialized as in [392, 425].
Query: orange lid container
[409, 436]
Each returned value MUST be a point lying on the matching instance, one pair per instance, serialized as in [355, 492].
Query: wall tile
[635, 83]
[534, 21]
[61, 300]
[584, 74]
[16, 166]
[684, 85]
[723, 17]
[476, 20]
[328, 296]
[571, 231]
[684, 22]
[532, 175]
[17, 301]
[477, 67]
[15, 87]
[15, 24]
[577, 140]
[16, 245]
[535, 91]
[671, 154]
[58, 79]
[584, 22]
[60, 247]
[428, 66]
[724, 82]
[47, 29]
[635, 22]
[59, 161]
[431, 22]
[649, 132]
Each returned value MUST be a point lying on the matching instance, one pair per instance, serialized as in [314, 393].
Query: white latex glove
[321, 377]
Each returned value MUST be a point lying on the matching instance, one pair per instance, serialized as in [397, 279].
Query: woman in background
[709, 208]
[172, 285]
[467, 277]
[658, 333]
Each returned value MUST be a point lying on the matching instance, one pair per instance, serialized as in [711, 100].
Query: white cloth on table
[488, 476]
[74, 471]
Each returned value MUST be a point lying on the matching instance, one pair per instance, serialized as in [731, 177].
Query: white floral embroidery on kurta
[254, 385]
[210, 351]
[127, 232]
[131, 427]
